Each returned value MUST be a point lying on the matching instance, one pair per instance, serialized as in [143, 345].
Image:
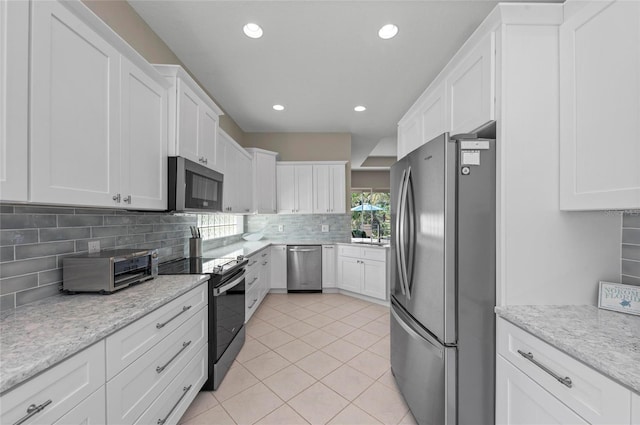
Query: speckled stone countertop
[39, 335]
[607, 341]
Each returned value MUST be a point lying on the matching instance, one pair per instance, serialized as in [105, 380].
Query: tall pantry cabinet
[14, 89]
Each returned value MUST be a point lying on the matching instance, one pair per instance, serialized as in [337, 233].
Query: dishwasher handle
[303, 250]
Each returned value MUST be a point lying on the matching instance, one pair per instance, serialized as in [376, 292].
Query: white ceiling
[317, 58]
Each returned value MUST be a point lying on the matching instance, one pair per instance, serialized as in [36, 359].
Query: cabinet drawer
[254, 263]
[129, 343]
[90, 411]
[59, 388]
[252, 300]
[374, 254]
[592, 395]
[349, 251]
[133, 390]
[179, 394]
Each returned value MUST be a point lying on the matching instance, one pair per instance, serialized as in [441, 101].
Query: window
[214, 226]
[370, 214]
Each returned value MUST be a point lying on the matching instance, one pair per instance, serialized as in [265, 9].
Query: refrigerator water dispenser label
[470, 158]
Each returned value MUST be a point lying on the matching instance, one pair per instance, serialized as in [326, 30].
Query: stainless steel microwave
[193, 187]
[108, 271]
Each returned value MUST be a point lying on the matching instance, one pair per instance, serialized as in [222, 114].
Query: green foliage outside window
[361, 221]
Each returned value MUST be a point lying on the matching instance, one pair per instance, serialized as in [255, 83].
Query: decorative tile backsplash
[301, 227]
[631, 248]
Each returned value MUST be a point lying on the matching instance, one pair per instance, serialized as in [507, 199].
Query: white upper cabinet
[294, 188]
[75, 128]
[470, 88]
[193, 119]
[14, 89]
[98, 114]
[143, 161]
[426, 122]
[237, 193]
[600, 106]
[329, 189]
[263, 180]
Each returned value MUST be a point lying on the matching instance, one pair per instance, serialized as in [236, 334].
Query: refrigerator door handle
[409, 205]
[435, 346]
[398, 239]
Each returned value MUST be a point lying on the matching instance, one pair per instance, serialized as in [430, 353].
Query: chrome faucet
[376, 223]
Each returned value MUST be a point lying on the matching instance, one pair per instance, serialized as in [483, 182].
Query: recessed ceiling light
[388, 31]
[252, 30]
[359, 108]
[278, 107]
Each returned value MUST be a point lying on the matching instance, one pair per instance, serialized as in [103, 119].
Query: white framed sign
[619, 297]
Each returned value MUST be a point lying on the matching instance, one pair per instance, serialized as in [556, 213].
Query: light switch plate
[94, 246]
[280, 228]
[325, 227]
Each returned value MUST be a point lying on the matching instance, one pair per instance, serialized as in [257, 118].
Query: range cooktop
[214, 266]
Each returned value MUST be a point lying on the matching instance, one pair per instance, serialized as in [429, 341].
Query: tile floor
[309, 359]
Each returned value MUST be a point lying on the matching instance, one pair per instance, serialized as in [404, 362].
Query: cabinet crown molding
[176, 71]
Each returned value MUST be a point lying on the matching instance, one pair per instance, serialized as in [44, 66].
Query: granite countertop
[247, 248]
[39, 335]
[607, 341]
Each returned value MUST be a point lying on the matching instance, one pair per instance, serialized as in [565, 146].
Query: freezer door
[424, 370]
[423, 229]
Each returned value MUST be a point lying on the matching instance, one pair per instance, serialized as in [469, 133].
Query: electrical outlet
[280, 228]
[325, 227]
[94, 246]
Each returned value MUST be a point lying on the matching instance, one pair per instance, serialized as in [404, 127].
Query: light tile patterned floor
[309, 359]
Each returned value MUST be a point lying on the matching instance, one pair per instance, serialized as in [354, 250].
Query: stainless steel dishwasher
[304, 268]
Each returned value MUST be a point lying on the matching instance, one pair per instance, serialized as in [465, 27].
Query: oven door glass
[228, 309]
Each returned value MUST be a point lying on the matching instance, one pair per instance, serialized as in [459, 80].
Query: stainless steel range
[226, 308]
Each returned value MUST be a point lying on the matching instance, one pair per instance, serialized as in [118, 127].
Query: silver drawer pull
[32, 410]
[265, 263]
[251, 264]
[564, 381]
[264, 255]
[159, 369]
[253, 281]
[253, 303]
[185, 390]
[162, 325]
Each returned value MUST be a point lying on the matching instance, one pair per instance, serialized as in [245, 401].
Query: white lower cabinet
[529, 387]
[363, 271]
[519, 400]
[91, 411]
[635, 409]
[257, 280]
[132, 391]
[329, 266]
[278, 267]
[169, 407]
[58, 391]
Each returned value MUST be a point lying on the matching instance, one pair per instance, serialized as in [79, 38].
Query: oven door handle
[224, 288]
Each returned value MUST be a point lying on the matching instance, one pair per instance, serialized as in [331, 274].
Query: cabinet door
[470, 88]
[635, 409]
[75, 110]
[286, 188]
[245, 192]
[91, 411]
[409, 135]
[143, 164]
[321, 189]
[600, 107]
[188, 122]
[14, 91]
[519, 400]
[337, 183]
[264, 183]
[207, 132]
[279, 267]
[328, 266]
[349, 273]
[304, 189]
[374, 282]
[433, 111]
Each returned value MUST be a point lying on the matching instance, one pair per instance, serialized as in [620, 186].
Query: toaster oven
[108, 271]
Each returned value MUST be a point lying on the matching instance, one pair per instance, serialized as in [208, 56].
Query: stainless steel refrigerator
[443, 278]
